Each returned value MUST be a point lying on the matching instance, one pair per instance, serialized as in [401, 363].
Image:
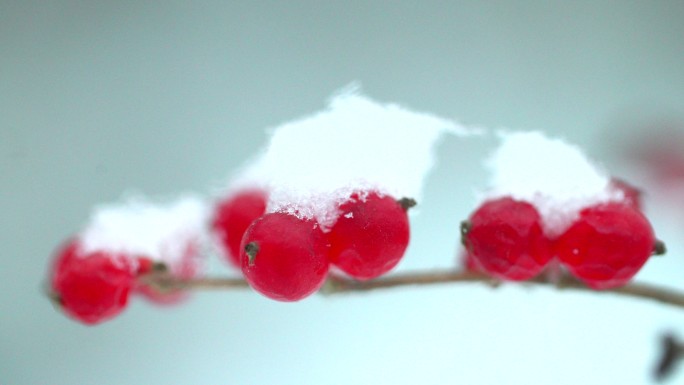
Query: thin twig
[337, 285]
[167, 283]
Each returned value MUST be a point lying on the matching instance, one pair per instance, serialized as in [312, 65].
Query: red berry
[633, 196]
[370, 235]
[607, 245]
[506, 238]
[184, 268]
[145, 265]
[284, 257]
[233, 216]
[91, 287]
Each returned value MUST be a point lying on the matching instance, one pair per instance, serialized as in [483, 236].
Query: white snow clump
[312, 164]
[137, 227]
[555, 176]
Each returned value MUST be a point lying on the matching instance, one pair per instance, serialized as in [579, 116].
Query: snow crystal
[137, 227]
[312, 164]
[555, 176]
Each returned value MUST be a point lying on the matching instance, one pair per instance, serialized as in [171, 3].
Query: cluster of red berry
[605, 246]
[94, 286]
[287, 258]
[281, 255]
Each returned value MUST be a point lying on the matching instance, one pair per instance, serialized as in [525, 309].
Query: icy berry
[233, 216]
[607, 245]
[506, 239]
[370, 235]
[91, 287]
[284, 257]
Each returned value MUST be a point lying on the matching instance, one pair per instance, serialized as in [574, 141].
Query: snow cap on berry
[314, 163]
[138, 227]
[553, 175]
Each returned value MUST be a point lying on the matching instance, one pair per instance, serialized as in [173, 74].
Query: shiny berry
[284, 257]
[91, 287]
[370, 235]
[232, 217]
[607, 245]
[506, 239]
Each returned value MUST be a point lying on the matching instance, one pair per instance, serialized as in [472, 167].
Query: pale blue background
[98, 98]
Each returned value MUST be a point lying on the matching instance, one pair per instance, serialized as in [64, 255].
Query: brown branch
[165, 283]
[336, 285]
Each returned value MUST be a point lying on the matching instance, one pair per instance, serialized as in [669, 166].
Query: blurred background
[100, 98]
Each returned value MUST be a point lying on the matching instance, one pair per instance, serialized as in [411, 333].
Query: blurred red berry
[233, 216]
[506, 239]
[370, 235]
[284, 257]
[184, 268]
[632, 195]
[145, 265]
[660, 152]
[607, 245]
[92, 287]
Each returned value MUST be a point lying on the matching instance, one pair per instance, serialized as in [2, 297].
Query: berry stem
[252, 249]
[337, 285]
[465, 229]
[659, 248]
[165, 283]
[407, 203]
